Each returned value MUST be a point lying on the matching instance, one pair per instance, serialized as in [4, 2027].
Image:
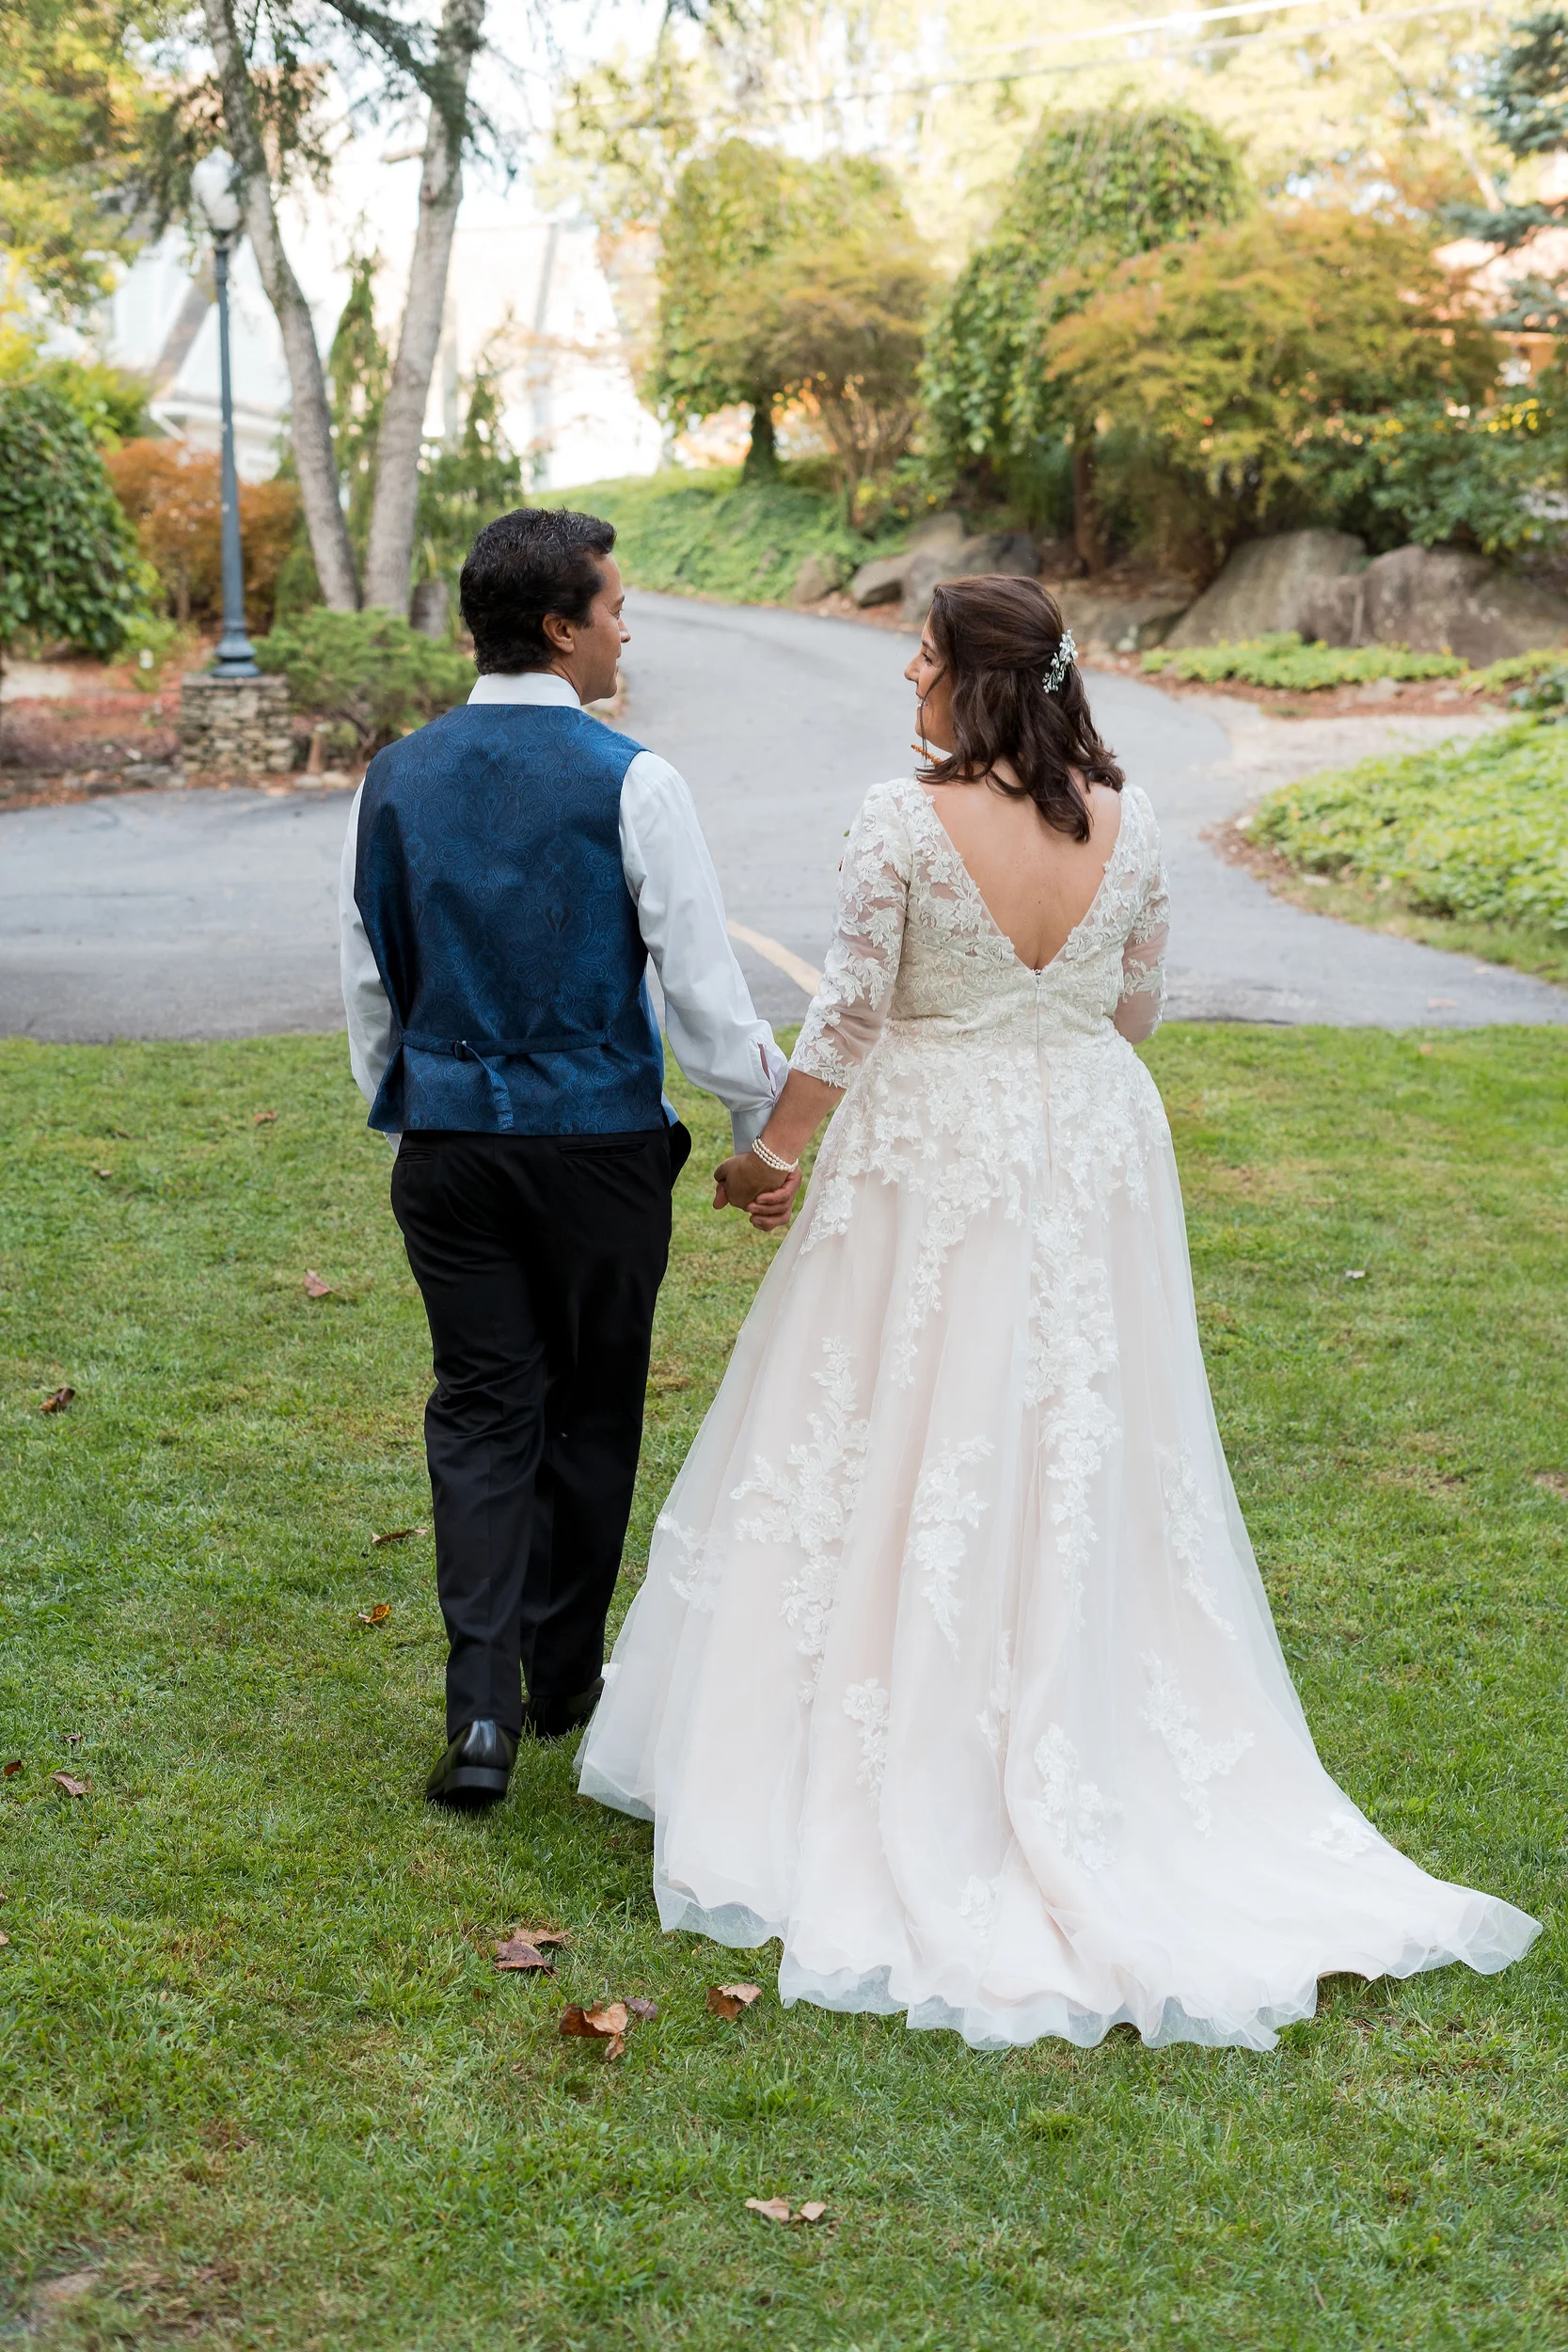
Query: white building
[525, 291]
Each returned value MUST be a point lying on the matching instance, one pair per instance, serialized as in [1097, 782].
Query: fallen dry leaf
[528, 1949]
[314, 1286]
[263, 1118]
[607, 2023]
[104, 1172]
[377, 1614]
[1554, 1482]
[646, 2010]
[71, 1787]
[10, 1772]
[728, 2000]
[56, 1401]
[812, 2212]
[399, 1535]
[771, 2208]
[4, 1937]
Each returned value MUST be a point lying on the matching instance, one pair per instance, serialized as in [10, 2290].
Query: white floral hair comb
[1061, 662]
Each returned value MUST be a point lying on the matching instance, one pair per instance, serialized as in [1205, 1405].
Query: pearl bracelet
[771, 1159]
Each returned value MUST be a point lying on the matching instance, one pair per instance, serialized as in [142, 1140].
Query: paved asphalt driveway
[215, 914]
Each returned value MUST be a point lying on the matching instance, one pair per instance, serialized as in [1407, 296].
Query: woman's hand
[744, 1182]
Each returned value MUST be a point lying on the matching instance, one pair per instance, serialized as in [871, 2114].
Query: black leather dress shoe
[555, 1718]
[475, 1769]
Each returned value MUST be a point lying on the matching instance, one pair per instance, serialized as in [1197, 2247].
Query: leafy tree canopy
[77, 122]
[1091, 189]
[1216, 362]
[746, 228]
[68, 567]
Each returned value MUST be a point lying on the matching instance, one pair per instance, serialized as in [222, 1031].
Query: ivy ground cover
[711, 534]
[1472, 834]
[264, 2083]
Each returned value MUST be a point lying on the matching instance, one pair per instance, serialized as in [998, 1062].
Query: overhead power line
[1223, 41]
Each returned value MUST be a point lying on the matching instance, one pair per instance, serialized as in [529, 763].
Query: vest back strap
[487, 1051]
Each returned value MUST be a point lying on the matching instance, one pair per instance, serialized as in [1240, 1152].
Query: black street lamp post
[213, 182]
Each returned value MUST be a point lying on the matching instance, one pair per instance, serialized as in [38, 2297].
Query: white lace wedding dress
[952, 1669]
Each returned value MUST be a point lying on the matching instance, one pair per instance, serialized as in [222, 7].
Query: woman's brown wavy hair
[996, 638]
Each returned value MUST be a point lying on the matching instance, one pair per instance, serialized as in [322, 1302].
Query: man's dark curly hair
[534, 561]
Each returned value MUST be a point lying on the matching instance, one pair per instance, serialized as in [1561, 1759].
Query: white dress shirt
[712, 1024]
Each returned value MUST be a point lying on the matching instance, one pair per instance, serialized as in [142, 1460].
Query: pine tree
[1524, 104]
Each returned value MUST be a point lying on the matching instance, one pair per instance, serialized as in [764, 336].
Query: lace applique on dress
[691, 1572]
[1078, 1814]
[993, 1719]
[942, 1509]
[978, 1904]
[862, 964]
[813, 1502]
[1197, 1763]
[1343, 1836]
[1186, 1517]
[866, 1704]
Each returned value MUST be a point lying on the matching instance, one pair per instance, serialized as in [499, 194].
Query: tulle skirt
[952, 1669]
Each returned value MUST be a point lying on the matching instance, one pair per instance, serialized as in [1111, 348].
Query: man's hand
[744, 1183]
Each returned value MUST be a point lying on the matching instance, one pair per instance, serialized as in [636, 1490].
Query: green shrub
[368, 671]
[712, 534]
[1221, 361]
[1477, 830]
[69, 565]
[148, 646]
[1434, 471]
[1516, 669]
[1090, 188]
[1284, 660]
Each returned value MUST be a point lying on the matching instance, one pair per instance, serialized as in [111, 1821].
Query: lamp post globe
[213, 183]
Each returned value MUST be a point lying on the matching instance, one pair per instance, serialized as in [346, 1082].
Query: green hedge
[711, 534]
[369, 672]
[1284, 660]
[1477, 830]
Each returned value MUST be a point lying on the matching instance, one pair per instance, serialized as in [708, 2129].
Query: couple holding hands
[952, 1669]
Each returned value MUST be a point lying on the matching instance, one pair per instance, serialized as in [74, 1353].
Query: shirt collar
[526, 685]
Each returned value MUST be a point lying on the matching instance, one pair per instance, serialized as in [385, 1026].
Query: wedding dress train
[952, 1668]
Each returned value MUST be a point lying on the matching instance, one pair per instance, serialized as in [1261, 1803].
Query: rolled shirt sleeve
[711, 1022]
[370, 1015]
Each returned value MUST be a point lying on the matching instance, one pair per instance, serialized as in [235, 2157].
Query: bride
[952, 1669]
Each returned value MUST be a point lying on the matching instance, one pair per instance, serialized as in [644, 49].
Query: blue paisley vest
[489, 881]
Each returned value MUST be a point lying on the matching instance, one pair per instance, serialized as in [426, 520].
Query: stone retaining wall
[235, 726]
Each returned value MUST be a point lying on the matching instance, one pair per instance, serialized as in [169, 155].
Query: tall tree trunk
[389, 556]
[762, 451]
[312, 421]
[1089, 523]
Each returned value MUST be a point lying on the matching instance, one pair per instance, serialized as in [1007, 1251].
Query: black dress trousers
[539, 1259]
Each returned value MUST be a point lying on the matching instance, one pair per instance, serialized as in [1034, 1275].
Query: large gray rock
[1106, 615]
[817, 577]
[881, 580]
[1267, 586]
[1013, 552]
[940, 547]
[1436, 600]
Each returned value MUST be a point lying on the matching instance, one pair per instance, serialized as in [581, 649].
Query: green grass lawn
[1464, 846]
[262, 2082]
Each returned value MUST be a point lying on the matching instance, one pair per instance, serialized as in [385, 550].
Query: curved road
[200, 914]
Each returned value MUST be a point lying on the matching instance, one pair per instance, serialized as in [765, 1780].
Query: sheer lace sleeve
[1142, 1001]
[851, 1005]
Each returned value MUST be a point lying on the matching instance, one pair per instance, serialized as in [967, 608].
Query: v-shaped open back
[967, 873]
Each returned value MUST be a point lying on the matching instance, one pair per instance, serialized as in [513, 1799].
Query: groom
[508, 871]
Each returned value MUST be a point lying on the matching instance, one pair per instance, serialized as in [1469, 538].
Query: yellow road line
[804, 975]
